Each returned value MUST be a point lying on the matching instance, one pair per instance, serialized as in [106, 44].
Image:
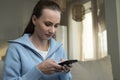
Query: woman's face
[46, 25]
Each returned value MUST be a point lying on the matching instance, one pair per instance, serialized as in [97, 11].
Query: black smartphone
[67, 62]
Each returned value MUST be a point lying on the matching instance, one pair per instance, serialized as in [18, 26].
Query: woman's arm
[12, 67]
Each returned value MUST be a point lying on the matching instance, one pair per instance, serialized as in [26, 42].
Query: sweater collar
[25, 40]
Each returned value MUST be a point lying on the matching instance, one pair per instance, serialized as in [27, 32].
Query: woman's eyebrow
[52, 23]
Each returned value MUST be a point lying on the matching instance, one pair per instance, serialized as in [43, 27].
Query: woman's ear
[34, 19]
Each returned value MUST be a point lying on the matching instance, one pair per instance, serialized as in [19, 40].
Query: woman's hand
[66, 68]
[50, 67]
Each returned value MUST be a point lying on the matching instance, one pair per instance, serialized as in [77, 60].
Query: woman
[35, 55]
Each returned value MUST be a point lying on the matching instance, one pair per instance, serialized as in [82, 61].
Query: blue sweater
[22, 59]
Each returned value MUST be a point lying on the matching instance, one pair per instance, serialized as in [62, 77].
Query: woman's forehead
[51, 14]
[50, 11]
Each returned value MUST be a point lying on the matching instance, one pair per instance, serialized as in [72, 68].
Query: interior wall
[10, 19]
[118, 21]
[14, 16]
[113, 36]
[118, 24]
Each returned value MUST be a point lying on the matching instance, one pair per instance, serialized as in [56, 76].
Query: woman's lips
[48, 35]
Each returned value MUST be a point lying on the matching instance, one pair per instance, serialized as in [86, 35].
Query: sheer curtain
[61, 36]
[87, 39]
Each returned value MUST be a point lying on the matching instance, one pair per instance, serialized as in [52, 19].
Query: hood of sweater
[25, 40]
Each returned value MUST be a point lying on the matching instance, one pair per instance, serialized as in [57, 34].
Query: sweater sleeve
[63, 75]
[12, 67]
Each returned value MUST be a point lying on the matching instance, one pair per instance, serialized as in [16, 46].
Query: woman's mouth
[48, 35]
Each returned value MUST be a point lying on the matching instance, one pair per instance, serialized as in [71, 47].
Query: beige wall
[14, 16]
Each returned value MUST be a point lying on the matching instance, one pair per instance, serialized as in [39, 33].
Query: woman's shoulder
[20, 40]
[54, 41]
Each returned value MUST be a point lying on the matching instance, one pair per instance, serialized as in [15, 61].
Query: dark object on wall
[78, 11]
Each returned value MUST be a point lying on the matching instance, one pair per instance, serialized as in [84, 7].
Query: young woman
[36, 54]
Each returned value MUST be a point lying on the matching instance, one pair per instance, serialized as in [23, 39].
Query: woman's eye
[56, 25]
[51, 24]
[48, 23]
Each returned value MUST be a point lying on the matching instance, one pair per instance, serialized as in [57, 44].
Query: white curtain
[87, 39]
[61, 36]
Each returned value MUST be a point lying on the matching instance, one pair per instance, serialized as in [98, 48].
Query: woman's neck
[40, 44]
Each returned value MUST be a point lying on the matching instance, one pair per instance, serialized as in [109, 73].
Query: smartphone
[67, 62]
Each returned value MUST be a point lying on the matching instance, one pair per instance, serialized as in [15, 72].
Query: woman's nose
[52, 30]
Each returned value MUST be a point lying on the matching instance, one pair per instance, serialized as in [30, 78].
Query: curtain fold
[88, 39]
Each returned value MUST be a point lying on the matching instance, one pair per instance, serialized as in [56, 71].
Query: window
[88, 41]
[87, 38]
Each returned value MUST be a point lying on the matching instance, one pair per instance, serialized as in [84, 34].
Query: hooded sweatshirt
[22, 58]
